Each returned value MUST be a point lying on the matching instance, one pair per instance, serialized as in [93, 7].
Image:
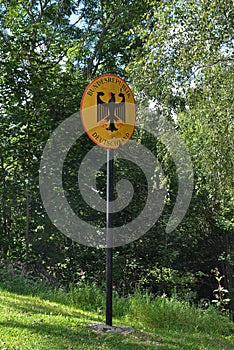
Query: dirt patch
[100, 327]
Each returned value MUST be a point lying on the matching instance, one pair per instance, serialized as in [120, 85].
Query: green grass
[34, 317]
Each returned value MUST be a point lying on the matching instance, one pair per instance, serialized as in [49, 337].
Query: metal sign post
[109, 250]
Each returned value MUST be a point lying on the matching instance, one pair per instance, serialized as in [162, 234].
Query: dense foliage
[177, 54]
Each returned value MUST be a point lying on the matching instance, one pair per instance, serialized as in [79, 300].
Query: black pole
[109, 251]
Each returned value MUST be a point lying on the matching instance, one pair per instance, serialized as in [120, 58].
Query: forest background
[177, 56]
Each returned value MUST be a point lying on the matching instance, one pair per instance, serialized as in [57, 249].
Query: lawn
[51, 321]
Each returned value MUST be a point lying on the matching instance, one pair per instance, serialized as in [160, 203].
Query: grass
[35, 317]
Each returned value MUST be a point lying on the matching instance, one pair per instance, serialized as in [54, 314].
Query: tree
[179, 39]
[49, 52]
[186, 67]
[37, 93]
[207, 125]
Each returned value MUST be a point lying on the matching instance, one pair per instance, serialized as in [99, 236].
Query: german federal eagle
[111, 112]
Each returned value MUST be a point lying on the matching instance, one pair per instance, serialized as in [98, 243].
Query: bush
[164, 280]
[15, 278]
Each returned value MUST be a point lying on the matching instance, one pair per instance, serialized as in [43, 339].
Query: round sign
[108, 111]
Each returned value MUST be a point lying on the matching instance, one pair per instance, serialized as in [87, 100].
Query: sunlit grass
[58, 320]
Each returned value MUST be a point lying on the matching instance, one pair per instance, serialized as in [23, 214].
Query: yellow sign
[108, 111]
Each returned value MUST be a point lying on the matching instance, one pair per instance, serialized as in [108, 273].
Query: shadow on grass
[58, 327]
[58, 337]
[55, 336]
[61, 327]
[29, 305]
[24, 286]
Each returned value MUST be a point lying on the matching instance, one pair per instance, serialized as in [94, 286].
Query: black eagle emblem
[111, 114]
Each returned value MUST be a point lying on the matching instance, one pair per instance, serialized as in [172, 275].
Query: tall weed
[170, 313]
[91, 298]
